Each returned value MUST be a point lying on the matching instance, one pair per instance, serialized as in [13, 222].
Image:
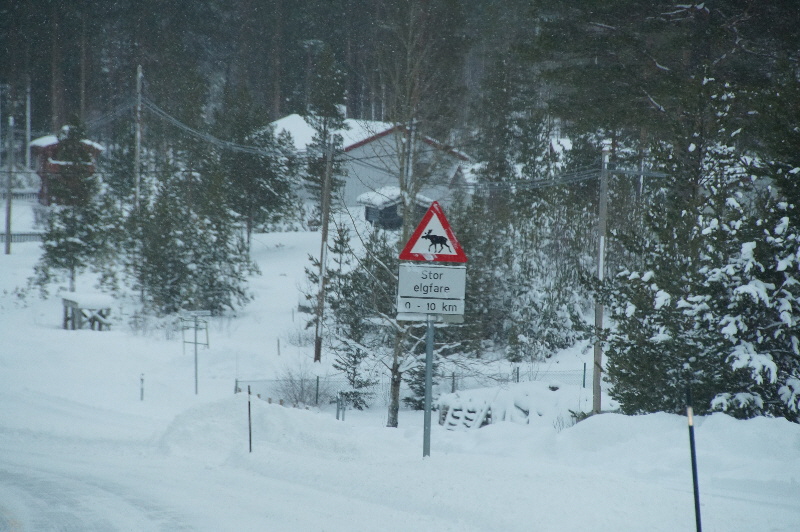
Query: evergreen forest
[637, 157]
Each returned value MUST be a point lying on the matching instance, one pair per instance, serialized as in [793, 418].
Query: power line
[157, 111]
[111, 115]
[575, 176]
[528, 184]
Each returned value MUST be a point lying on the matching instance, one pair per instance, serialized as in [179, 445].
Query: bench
[87, 310]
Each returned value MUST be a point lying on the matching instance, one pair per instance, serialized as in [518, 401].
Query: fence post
[316, 394]
[453, 385]
[249, 421]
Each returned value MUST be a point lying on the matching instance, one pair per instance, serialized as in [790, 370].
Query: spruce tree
[523, 237]
[325, 114]
[714, 307]
[193, 255]
[75, 235]
[348, 318]
[261, 178]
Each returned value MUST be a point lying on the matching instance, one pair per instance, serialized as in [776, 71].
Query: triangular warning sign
[433, 240]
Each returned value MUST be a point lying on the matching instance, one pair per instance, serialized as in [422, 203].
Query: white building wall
[375, 165]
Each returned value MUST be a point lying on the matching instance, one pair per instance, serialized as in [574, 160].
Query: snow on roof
[52, 140]
[89, 300]
[363, 130]
[387, 196]
[47, 140]
[357, 131]
[302, 133]
[96, 145]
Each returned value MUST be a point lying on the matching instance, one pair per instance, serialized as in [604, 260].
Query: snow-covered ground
[81, 451]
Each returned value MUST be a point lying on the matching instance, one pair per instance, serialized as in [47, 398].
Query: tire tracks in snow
[55, 501]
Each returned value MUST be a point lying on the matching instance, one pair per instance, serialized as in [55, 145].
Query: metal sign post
[431, 293]
[426, 437]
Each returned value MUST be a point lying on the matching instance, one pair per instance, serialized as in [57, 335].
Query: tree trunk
[275, 60]
[394, 393]
[56, 81]
[83, 69]
[249, 230]
[397, 378]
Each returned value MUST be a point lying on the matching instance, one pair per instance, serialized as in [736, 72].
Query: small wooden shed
[383, 207]
[49, 168]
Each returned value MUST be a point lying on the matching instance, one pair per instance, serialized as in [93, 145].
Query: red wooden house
[49, 168]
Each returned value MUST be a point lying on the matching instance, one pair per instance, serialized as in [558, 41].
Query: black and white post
[690, 416]
[249, 421]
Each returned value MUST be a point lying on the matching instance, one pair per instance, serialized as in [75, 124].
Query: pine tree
[746, 307]
[525, 258]
[193, 256]
[324, 114]
[349, 360]
[260, 186]
[415, 378]
[75, 236]
[360, 314]
[348, 319]
[714, 309]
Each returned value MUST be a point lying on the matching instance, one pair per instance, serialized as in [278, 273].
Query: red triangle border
[434, 210]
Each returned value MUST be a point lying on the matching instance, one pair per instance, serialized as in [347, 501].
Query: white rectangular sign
[431, 289]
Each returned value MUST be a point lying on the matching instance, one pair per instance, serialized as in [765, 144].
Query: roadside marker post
[690, 418]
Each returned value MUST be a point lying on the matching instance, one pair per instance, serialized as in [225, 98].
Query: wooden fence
[21, 237]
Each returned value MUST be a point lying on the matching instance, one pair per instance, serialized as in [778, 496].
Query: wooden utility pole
[602, 222]
[56, 72]
[28, 124]
[326, 207]
[83, 68]
[138, 147]
[9, 178]
[1, 125]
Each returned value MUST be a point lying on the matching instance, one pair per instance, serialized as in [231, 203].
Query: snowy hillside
[81, 449]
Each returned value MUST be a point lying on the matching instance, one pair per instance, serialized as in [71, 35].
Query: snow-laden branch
[654, 103]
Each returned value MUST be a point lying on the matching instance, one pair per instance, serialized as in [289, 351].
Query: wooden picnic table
[89, 310]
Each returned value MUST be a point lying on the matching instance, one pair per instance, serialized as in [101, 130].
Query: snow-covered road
[79, 450]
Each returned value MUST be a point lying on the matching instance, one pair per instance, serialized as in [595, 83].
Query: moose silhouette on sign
[436, 240]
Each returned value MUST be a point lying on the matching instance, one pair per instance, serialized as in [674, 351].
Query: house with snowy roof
[49, 168]
[372, 165]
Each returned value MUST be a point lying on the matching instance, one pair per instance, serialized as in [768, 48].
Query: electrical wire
[111, 115]
[225, 144]
[575, 176]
